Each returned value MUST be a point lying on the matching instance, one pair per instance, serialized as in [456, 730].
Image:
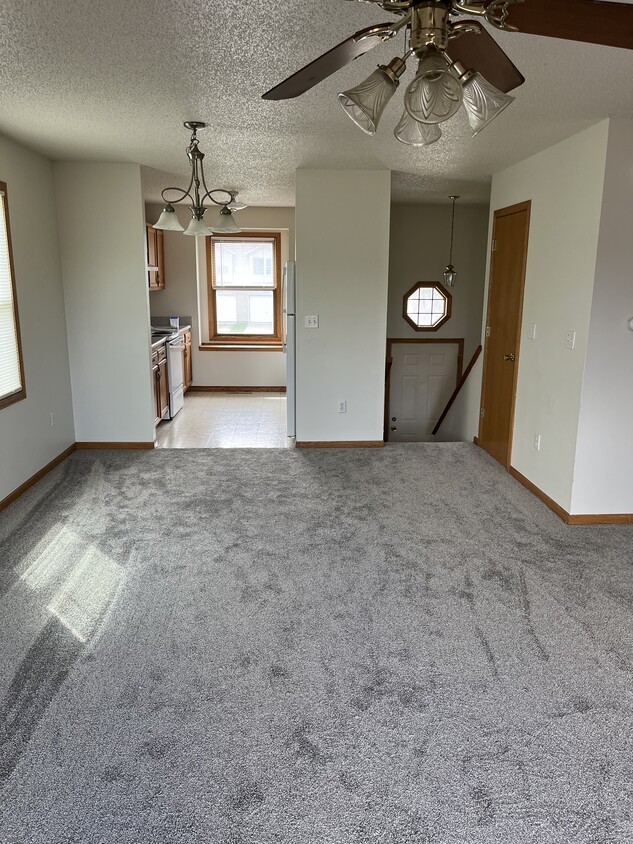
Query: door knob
[509, 357]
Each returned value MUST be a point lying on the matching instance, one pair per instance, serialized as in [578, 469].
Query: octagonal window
[427, 306]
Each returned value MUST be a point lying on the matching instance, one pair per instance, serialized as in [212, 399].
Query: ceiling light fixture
[458, 64]
[450, 273]
[168, 220]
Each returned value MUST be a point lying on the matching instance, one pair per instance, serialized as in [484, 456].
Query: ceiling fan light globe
[435, 94]
[197, 228]
[168, 220]
[483, 102]
[365, 103]
[415, 134]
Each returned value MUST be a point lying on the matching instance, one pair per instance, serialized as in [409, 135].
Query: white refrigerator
[289, 336]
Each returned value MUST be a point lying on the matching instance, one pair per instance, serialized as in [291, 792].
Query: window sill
[240, 347]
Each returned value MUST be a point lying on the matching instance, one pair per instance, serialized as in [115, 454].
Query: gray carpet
[310, 647]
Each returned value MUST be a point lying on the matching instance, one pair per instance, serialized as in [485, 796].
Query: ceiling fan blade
[483, 54]
[330, 62]
[594, 22]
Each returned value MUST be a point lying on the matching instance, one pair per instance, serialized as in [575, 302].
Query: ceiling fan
[458, 60]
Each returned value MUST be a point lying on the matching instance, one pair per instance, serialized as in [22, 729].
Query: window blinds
[10, 376]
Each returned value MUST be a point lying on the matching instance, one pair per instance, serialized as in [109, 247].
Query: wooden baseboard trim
[135, 445]
[210, 389]
[341, 444]
[588, 519]
[549, 502]
[13, 496]
[613, 519]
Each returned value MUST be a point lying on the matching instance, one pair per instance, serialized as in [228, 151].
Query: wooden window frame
[442, 290]
[240, 342]
[12, 398]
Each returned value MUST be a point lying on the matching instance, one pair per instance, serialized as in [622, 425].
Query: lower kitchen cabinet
[161, 384]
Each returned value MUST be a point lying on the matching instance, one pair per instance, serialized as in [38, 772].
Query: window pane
[243, 263]
[10, 378]
[245, 312]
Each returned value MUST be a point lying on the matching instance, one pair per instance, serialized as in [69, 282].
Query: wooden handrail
[457, 389]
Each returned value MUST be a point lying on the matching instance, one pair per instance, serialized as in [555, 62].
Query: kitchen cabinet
[154, 258]
[187, 372]
[161, 384]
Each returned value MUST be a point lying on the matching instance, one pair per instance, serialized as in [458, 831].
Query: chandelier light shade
[415, 134]
[483, 102]
[226, 224]
[365, 103]
[450, 273]
[197, 192]
[168, 220]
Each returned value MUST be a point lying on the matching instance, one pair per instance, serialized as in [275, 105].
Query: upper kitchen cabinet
[154, 257]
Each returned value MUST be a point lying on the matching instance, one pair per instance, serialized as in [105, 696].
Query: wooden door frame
[430, 340]
[507, 212]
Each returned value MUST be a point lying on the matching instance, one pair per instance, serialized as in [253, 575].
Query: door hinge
[488, 331]
[482, 413]
[494, 246]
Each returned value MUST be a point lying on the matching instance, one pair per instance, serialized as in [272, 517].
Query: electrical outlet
[570, 340]
[342, 406]
[531, 331]
[52, 418]
[537, 442]
[312, 321]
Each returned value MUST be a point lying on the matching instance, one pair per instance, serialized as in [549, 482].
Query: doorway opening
[227, 419]
[421, 376]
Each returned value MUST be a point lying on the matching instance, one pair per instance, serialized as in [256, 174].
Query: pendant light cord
[450, 257]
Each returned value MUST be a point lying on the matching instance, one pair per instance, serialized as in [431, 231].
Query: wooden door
[503, 330]
[421, 381]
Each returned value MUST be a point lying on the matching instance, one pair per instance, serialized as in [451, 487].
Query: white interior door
[423, 377]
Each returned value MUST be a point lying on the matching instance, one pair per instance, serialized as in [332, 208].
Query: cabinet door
[154, 258]
[160, 260]
[156, 393]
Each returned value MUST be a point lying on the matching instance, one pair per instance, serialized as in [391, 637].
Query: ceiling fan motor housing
[429, 25]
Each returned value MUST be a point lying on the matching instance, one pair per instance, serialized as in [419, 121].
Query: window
[11, 371]
[427, 306]
[243, 279]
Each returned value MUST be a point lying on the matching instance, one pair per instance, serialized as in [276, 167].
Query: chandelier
[450, 273]
[197, 192]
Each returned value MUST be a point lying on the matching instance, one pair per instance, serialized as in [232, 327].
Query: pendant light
[450, 272]
[168, 220]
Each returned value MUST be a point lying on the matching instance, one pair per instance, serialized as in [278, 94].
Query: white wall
[342, 273]
[565, 184]
[27, 440]
[185, 295]
[101, 231]
[419, 247]
[603, 479]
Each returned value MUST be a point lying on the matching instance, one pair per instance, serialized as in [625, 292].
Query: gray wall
[418, 251]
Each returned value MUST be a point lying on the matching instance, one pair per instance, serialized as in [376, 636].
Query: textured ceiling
[114, 81]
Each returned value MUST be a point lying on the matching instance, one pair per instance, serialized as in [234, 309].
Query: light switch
[570, 339]
[312, 321]
[531, 331]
